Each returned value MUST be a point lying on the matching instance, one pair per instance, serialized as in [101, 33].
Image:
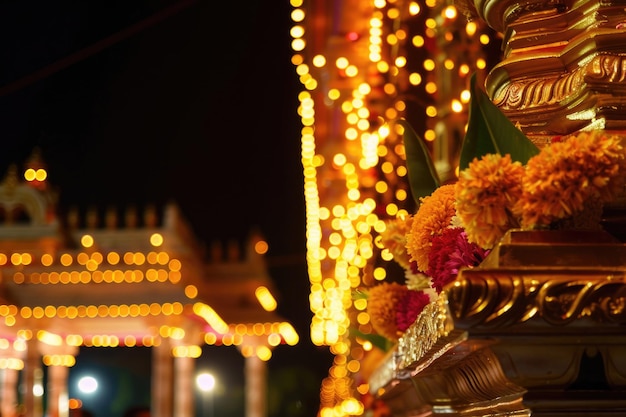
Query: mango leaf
[490, 131]
[377, 340]
[423, 177]
[359, 295]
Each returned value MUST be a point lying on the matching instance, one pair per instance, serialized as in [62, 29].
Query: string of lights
[363, 66]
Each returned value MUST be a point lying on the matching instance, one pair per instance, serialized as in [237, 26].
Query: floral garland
[563, 185]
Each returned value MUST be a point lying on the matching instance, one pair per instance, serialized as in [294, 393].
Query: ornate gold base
[538, 328]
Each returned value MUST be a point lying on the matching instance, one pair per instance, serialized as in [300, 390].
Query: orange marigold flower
[485, 195]
[394, 239]
[433, 216]
[381, 306]
[561, 180]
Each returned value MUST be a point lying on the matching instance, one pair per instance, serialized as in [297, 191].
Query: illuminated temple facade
[518, 336]
[122, 278]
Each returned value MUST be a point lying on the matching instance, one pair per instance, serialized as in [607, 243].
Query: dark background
[140, 102]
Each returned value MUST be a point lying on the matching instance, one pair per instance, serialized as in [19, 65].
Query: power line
[94, 48]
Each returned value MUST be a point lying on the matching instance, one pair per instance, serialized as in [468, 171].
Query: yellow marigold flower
[485, 195]
[394, 239]
[433, 216]
[561, 180]
[381, 306]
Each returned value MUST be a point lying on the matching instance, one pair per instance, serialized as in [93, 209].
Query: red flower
[411, 306]
[450, 252]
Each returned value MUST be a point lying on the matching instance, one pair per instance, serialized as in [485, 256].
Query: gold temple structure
[538, 328]
[122, 278]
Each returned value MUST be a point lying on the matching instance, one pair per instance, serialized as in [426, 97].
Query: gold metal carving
[549, 277]
[496, 298]
[433, 323]
[563, 64]
[420, 343]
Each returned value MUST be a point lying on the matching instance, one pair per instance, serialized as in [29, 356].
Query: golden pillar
[184, 368]
[161, 384]
[563, 65]
[8, 403]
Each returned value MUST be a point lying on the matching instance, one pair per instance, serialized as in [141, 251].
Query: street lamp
[88, 384]
[206, 383]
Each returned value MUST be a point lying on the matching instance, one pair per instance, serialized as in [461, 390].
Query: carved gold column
[563, 65]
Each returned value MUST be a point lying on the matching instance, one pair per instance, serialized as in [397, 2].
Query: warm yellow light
[450, 12]
[470, 28]
[263, 353]
[456, 106]
[49, 338]
[66, 259]
[429, 64]
[414, 8]
[297, 31]
[86, 241]
[297, 15]
[339, 159]
[430, 87]
[266, 299]
[297, 44]
[417, 41]
[342, 63]
[319, 61]
[415, 78]
[288, 333]
[352, 71]
[191, 291]
[156, 239]
[211, 317]
[29, 174]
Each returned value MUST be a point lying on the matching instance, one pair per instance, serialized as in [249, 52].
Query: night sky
[146, 102]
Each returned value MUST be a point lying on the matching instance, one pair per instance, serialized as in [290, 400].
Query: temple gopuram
[122, 279]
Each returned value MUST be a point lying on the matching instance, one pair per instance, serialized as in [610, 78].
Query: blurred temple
[111, 278]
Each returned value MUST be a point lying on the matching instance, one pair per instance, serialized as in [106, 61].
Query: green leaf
[377, 340]
[423, 177]
[489, 131]
[359, 295]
